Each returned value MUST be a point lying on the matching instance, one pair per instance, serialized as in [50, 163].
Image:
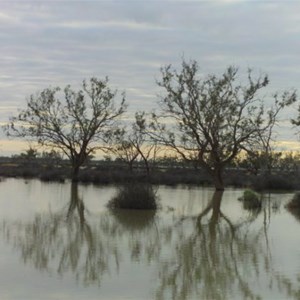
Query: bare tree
[73, 122]
[123, 149]
[132, 143]
[263, 154]
[212, 119]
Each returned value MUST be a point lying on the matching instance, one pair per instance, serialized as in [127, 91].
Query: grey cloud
[59, 42]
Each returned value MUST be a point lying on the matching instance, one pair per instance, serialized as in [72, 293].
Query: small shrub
[294, 204]
[251, 200]
[134, 196]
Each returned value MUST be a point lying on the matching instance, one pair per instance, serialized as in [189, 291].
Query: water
[59, 242]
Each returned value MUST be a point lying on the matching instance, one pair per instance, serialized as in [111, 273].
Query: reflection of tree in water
[65, 241]
[134, 220]
[139, 231]
[205, 261]
[212, 258]
[207, 256]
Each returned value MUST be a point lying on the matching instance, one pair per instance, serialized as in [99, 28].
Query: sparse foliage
[132, 143]
[263, 154]
[212, 119]
[29, 154]
[73, 122]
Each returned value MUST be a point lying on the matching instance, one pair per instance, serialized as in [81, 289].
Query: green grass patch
[251, 200]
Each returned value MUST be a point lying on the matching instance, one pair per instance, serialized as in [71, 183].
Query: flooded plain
[60, 241]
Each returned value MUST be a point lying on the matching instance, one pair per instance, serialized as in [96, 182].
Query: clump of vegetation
[294, 203]
[251, 200]
[293, 206]
[134, 196]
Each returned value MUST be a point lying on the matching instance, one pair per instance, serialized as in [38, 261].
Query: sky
[55, 43]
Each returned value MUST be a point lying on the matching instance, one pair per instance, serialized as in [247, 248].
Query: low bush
[134, 196]
[251, 200]
[294, 203]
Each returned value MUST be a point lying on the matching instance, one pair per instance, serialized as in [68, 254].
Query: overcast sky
[50, 43]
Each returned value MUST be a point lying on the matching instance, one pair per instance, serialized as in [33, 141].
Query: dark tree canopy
[74, 122]
[211, 119]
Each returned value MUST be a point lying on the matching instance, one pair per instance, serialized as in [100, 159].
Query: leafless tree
[132, 143]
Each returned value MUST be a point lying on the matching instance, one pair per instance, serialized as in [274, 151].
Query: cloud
[62, 42]
[131, 25]
[5, 18]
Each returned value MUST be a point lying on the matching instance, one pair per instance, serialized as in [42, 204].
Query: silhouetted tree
[132, 143]
[73, 123]
[29, 154]
[263, 156]
[212, 119]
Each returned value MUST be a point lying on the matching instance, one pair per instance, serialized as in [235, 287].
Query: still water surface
[61, 242]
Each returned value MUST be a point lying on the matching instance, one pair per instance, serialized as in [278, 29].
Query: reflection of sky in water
[139, 259]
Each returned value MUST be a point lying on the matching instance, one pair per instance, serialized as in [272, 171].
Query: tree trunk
[130, 164]
[78, 160]
[75, 172]
[218, 178]
[216, 207]
[147, 167]
[146, 163]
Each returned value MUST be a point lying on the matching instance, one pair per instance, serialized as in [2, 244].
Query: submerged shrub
[134, 196]
[251, 200]
[294, 203]
[293, 206]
